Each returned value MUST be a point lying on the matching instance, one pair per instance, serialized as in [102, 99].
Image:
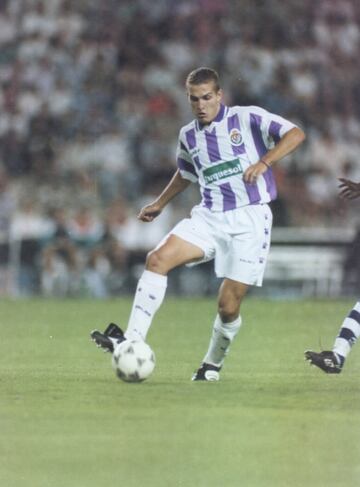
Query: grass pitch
[272, 421]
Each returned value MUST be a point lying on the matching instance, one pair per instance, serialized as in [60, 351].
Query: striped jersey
[217, 155]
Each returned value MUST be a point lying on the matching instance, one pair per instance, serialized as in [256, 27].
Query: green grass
[272, 421]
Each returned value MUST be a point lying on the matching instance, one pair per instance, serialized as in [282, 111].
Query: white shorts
[238, 240]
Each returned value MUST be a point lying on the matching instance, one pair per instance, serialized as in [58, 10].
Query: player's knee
[155, 262]
[228, 310]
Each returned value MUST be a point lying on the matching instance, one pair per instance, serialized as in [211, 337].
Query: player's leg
[242, 248]
[151, 288]
[190, 241]
[172, 252]
[226, 326]
[332, 361]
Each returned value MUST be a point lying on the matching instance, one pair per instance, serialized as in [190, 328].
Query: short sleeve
[185, 163]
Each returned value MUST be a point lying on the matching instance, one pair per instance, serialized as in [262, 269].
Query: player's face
[205, 101]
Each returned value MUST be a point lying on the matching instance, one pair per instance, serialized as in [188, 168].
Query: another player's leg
[332, 361]
[151, 288]
[226, 326]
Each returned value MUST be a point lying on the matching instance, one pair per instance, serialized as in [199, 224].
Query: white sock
[348, 333]
[222, 336]
[150, 293]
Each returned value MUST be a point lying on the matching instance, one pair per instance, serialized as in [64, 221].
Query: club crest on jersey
[235, 136]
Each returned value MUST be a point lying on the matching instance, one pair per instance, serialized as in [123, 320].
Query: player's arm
[176, 185]
[349, 189]
[287, 144]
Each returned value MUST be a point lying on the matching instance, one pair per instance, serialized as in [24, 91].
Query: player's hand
[349, 190]
[149, 212]
[254, 171]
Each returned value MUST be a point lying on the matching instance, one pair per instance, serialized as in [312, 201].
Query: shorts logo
[221, 171]
[235, 137]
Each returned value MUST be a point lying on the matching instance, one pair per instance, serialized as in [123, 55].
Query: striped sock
[348, 333]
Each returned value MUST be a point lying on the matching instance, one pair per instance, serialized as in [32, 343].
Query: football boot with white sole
[207, 372]
[107, 340]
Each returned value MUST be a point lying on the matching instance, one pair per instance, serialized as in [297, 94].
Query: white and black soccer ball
[133, 361]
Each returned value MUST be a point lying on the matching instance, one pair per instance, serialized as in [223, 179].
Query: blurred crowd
[91, 101]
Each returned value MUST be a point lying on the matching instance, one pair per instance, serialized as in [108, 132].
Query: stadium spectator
[29, 228]
[60, 264]
[7, 209]
[235, 193]
[96, 273]
[85, 227]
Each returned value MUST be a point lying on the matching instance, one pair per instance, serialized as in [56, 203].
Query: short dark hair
[203, 75]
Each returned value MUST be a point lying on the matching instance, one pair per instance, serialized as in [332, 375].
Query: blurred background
[91, 101]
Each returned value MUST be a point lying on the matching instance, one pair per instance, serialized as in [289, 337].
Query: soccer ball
[133, 361]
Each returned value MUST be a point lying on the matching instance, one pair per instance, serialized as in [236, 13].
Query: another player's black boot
[327, 361]
[111, 336]
[207, 372]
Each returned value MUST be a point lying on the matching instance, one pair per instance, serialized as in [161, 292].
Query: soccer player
[332, 361]
[229, 153]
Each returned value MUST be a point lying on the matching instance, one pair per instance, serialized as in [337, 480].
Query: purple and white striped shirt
[217, 155]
